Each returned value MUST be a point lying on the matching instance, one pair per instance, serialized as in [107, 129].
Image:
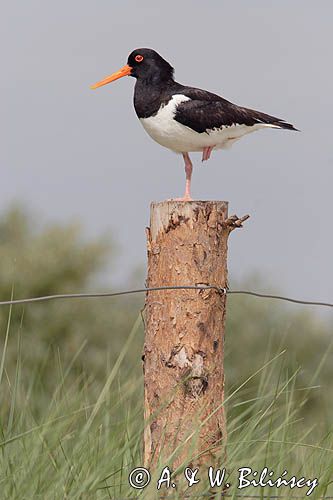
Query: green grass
[81, 440]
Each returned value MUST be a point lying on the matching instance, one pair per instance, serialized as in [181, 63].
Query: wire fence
[220, 290]
[200, 287]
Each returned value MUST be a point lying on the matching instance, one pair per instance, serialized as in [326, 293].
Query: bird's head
[145, 65]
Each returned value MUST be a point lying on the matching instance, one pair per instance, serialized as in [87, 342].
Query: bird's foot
[206, 152]
[184, 198]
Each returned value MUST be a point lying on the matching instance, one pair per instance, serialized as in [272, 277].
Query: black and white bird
[186, 119]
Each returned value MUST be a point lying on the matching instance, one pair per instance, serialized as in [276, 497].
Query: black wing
[206, 111]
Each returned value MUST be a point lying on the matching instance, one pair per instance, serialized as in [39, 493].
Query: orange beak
[125, 71]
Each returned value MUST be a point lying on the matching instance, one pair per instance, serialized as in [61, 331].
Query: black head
[149, 66]
[144, 64]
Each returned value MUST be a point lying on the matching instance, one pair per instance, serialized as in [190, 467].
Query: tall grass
[86, 436]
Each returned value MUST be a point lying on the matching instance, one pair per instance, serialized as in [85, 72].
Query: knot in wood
[196, 379]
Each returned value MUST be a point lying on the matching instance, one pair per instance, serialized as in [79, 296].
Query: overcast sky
[70, 152]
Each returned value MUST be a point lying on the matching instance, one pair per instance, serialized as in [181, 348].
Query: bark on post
[184, 338]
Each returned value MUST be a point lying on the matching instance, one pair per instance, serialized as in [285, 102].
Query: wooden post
[184, 338]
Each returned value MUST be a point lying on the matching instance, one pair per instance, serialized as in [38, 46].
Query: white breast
[164, 129]
[173, 135]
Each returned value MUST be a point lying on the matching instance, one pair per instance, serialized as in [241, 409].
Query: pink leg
[206, 152]
[188, 171]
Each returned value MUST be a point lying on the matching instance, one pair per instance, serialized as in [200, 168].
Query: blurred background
[78, 174]
[88, 335]
[70, 152]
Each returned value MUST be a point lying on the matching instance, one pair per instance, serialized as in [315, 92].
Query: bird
[186, 119]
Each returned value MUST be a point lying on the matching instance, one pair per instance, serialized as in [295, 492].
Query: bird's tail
[282, 124]
[272, 121]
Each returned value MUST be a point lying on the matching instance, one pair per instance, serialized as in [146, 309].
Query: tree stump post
[184, 335]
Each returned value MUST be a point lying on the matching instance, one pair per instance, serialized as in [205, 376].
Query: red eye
[138, 58]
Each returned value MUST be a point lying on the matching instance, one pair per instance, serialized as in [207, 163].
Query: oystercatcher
[182, 118]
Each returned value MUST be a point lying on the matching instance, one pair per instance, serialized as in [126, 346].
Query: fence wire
[220, 290]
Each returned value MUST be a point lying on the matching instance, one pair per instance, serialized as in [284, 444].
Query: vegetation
[71, 386]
